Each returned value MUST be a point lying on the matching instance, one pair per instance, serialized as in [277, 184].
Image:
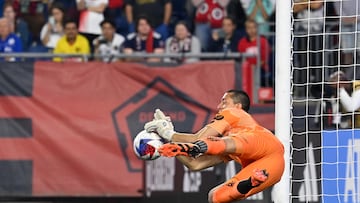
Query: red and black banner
[66, 129]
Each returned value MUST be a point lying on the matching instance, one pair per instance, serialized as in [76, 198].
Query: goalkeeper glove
[161, 124]
[158, 115]
[183, 149]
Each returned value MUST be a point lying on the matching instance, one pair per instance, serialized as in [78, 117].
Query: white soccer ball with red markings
[146, 144]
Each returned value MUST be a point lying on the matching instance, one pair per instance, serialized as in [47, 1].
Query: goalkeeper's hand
[161, 124]
[159, 115]
[183, 149]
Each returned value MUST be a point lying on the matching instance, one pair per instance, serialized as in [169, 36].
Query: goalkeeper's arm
[165, 129]
[185, 137]
[201, 162]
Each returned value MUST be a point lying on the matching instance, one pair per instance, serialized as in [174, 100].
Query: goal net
[325, 113]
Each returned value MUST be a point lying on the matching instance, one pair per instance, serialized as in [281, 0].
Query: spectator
[181, 11]
[34, 12]
[144, 39]
[72, 42]
[308, 42]
[259, 11]
[182, 42]
[158, 12]
[17, 26]
[91, 15]
[236, 11]
[9, 42]
[226, 39]
[53, 29]
[249, 45]
[109, 43]
[115, 12]
[349, 12]
[208, 18]
[69, 6]
[348, 92]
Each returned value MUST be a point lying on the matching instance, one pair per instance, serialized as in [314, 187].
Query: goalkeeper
[232, 135]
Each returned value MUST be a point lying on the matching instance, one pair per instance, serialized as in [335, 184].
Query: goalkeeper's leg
[252, 179]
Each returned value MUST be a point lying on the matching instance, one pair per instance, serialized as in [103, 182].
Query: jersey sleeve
[268, 7]
[350, 103]
[223, 120]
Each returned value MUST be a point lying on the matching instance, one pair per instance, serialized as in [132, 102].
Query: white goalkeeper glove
[161, 124]
[158, 115]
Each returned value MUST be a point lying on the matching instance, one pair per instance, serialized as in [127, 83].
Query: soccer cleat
[179, 149]
[258, 177]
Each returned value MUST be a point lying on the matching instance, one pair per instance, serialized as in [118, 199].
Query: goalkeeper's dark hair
[239, 96]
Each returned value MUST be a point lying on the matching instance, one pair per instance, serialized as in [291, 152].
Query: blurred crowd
[325, 59]
[326, 39]
[108, 27]
[104, 28]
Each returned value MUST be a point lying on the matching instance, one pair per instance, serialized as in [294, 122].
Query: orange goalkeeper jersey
[257, 142]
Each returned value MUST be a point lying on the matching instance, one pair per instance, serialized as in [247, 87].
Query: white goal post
[317, 100]
[281, 191]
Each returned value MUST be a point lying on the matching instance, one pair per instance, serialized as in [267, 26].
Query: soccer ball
[146, 144]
